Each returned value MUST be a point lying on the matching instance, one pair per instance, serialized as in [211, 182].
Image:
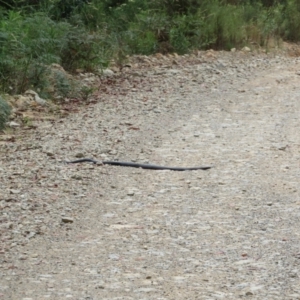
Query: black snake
[137, 165]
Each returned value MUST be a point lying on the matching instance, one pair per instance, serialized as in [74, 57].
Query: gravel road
[100, 232]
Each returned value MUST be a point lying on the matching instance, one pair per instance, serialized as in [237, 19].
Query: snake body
[137, 165]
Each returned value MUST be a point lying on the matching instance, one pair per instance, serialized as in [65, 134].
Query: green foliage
[177, 7]
[28, 45]
[187, 33]
[94, 16]
[88, 34]
[5, 111]
[60, 83]
[213, 25]
[290, 21]
[86, 92]
[64, 9]
[85, 50]
[144, 35]
[224, 25]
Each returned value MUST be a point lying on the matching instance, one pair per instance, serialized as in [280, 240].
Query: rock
[14, 191]
[36, 97]
[22, 257]
[246, 49]
[136, 229]
[67, 220]
[107, 73]
[58, 67]
[249, 293]
[31, 235]
[13, 124]
[130, 193]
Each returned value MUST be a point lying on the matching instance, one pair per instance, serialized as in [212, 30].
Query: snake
[137, 165]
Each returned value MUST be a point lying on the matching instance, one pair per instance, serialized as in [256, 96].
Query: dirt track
[104, 232]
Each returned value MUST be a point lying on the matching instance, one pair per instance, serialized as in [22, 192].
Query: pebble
[140, 234]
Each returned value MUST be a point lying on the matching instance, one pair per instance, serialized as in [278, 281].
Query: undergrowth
[88, 34]
[4, 113]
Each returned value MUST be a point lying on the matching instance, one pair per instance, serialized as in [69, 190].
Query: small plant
[5, 111]
[27, 121]
[62, 84]
[86, 92]
[289, 22]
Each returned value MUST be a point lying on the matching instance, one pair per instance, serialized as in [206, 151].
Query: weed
[86, 92]
[27, 121]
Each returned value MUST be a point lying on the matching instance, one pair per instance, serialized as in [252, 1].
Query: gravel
[89, 231]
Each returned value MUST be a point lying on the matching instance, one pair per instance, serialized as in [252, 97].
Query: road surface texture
[89, 231]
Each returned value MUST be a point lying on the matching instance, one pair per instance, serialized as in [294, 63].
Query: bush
[88, 34]
[212, 25]
[223, 26]
[289, 21]
[144, 35]
[84, 50]
[29, 44]
[5, 111]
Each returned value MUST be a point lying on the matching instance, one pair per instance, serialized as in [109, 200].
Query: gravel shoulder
[103, 232]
